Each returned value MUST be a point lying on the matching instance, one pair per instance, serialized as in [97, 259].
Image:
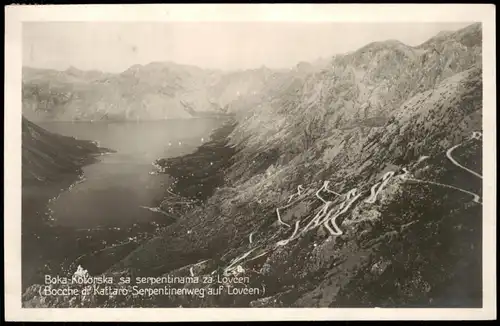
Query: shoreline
[134, 121]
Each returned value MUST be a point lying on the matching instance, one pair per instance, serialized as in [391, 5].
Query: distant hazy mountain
[153, 91]
[385, 107]
[392, 128]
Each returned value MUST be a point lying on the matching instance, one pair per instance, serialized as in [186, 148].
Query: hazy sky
[113, 47]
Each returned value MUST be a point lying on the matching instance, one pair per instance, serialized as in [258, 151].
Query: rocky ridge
[350, 185]
[149, 92]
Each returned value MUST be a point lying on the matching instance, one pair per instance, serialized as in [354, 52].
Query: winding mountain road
[476, 196]
[279, 217]
[373, 194]
[228, 270]
[332, 220]
[323, 216]
[317, 217]
[448, 154]
[298, 194]
[385, 180]
[319, 190]
[155, 210]
[285, 242]
[299, 189]
[330, 191]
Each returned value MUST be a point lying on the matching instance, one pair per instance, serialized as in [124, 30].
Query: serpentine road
[448, 154]
[322, 217]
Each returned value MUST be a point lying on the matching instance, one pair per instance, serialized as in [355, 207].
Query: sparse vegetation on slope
[374, 236]
[150, 92]
[50, 164]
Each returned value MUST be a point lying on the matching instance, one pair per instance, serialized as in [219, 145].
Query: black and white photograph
[253, 164]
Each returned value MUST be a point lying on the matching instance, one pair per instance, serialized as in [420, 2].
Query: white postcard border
[16, 14]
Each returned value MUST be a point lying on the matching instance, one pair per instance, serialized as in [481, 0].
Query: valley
[351, 182]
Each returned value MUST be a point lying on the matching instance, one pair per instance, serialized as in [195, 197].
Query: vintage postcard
[250, 162]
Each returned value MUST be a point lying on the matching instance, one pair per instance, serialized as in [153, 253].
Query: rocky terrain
[150, 92]
[50, 164]
[47, 155]
[355, 182]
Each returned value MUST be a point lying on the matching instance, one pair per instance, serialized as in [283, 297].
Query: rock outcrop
[398, 222]
[150, 92]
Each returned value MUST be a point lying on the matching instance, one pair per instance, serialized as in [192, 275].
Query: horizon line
[262, 66]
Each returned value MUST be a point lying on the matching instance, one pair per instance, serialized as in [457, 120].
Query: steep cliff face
[395, 131]
[46, 156]
[360, 89]
[149, 92]
[50, 164]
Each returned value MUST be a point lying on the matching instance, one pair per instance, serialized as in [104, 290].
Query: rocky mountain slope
[355, 183]
[46, 155]
[50, 164]
[150, 92]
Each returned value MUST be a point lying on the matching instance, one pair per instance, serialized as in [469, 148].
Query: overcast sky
[113, 47]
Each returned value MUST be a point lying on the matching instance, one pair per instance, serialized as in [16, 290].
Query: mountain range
[156, 91]
[352, 182]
